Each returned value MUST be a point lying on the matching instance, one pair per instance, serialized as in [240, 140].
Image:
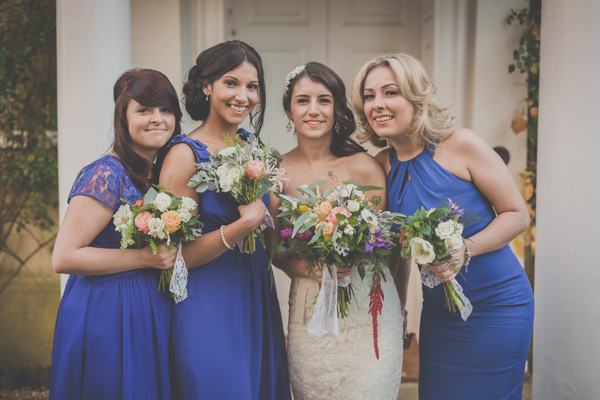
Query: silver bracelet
[223, 239]
[467, 256]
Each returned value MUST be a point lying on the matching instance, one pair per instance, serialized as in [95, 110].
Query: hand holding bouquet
[160, 217]
[246, 170]
[430, 235]
[338, 227]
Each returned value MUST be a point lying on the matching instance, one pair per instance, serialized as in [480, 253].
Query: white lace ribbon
[179, 278]
[431, 280]
[325, 317]
[267, 223]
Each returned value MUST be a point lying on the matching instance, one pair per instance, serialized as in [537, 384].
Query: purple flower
[454, 209]
[374, 240]
[285, 233]
[306, 236]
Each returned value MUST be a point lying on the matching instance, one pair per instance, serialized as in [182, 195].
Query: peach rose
[141, 221]
[338, 210]
[254, 169]
[328, 231]
[172, 220]
[323, 209]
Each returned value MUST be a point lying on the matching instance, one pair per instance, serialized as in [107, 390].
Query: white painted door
[342, 34]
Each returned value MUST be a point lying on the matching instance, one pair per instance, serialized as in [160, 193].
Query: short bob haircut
[150, 88]
[342, 144]
[431, 122]
[211, 65]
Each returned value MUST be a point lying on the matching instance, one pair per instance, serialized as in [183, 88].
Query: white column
[93, 50]
[567, 323]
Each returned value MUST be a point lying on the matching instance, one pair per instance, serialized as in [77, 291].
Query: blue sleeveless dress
[227, 338]
[483, 357]
[112, 331]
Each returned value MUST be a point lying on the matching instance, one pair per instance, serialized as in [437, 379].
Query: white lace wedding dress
[325, 368]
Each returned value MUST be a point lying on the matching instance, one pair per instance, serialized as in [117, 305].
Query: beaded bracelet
[404, 313]
[223, 239]
[467, 256]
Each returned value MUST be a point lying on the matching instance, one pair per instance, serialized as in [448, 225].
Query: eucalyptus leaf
[299, 222]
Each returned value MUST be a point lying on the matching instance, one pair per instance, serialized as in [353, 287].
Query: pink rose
[328, 231]
[323, 209]
[254, 170]
[338, 210]
[141, 221]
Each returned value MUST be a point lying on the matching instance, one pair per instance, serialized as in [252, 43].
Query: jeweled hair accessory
[293, 73]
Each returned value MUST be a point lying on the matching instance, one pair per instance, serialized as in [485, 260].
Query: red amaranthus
[375, 307]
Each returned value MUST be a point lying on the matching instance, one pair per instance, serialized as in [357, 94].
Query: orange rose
[323, 209]
[172, 221]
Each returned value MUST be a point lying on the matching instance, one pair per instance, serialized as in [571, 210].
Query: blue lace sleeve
[102, 180]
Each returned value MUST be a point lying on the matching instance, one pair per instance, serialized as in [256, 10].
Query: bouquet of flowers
[246, 170]
[339, 227]
[160, 217]
[430, 235]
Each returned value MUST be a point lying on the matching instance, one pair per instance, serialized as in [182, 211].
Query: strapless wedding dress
[345, 368]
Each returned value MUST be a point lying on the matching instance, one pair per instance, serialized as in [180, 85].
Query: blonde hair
[431, 121]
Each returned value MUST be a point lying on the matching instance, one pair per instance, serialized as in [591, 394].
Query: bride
[322, 367]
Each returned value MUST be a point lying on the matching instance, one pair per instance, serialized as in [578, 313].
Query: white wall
[567, 323]
[498, 97]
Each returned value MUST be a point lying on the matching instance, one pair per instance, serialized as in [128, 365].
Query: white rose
[185, 215]
[353, 205]
[226, 183]
[187, 204]
[454, 242]
[122, 217]
[458, 227]
[445, 229]
[222, 170]
[227, 151]
[162, 202]
[369, 217]
[421, 251]
[157, 228]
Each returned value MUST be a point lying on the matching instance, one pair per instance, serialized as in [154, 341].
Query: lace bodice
[108, 181]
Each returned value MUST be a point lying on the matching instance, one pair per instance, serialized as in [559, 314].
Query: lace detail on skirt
[346, 368]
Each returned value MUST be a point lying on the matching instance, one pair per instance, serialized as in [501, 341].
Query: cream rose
[353, 205]
[185, 215]
[323, 209]
[157, 228]
[421, 251]
[172, 221]
[187, 204]
[162, 202]
[458, 227]
[454, 242]
[445, 229]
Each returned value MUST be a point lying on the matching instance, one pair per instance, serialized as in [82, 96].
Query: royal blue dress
[483, 357]
[112, 331]
[227, 338]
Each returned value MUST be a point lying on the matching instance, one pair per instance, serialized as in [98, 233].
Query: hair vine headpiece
[293, 73]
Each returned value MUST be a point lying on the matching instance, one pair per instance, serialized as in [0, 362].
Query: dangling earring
[337, 127]
[288, 128]
[207, 97]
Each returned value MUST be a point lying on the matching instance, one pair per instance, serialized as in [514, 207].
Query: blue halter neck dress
[483, 357]
[227, 337]
[112, 331]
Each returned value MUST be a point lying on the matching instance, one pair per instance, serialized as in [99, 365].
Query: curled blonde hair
[431, 121]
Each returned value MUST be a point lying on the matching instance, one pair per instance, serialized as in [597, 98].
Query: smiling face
[149, 127]
[387, 111]
[311, 108]
[234, 95]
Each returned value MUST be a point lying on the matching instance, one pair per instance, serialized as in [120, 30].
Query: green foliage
[28, 156]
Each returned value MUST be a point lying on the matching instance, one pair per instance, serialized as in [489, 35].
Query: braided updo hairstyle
[211, 65]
